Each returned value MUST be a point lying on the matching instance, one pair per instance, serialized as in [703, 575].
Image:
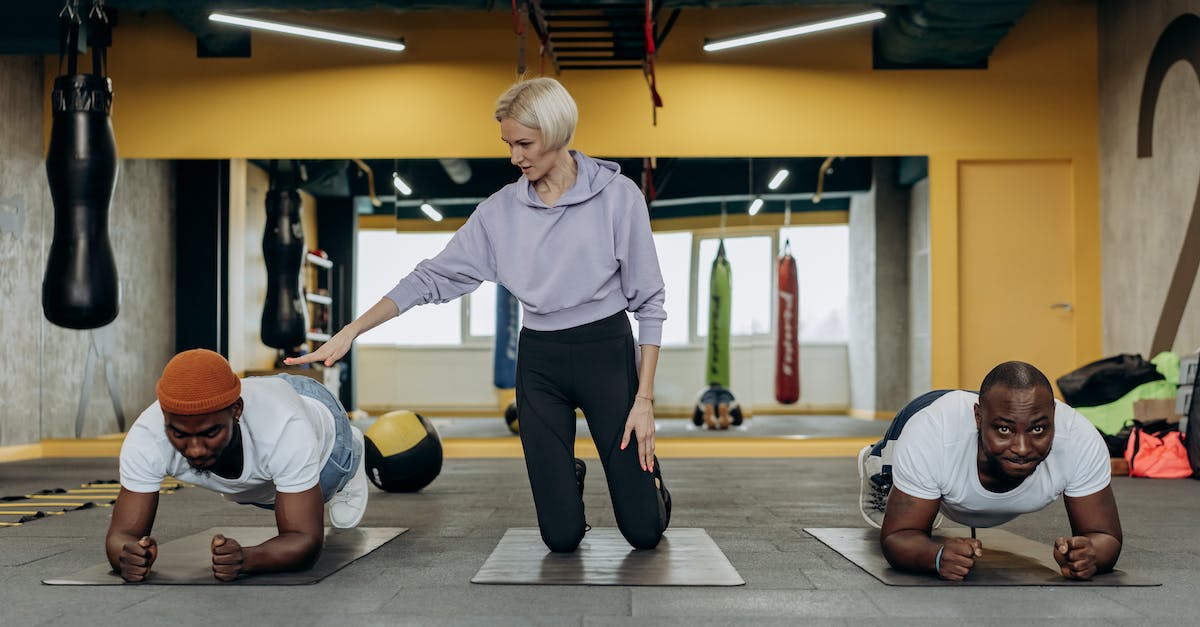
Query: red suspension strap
[519, 30]
[648, 66]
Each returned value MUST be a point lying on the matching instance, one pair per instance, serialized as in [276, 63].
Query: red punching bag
[787, 348]
[79, 288]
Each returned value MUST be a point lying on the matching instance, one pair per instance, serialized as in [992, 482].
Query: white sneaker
[874, 487]
[348, 505]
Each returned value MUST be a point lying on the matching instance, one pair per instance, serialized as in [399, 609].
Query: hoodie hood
[592, 176]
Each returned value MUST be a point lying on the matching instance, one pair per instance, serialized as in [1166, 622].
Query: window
[481, 307]
[675, 259]
[822, 262]
[823, 273]
[750, 260]
[384, 257]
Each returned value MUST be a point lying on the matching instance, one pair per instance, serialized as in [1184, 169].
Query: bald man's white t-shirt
[287, 439]
[936, 457]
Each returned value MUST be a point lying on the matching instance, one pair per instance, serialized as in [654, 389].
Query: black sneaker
[580, 473]
[664, 492]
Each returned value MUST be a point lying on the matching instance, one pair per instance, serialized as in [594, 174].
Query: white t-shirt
[287, 438]
[936, 459]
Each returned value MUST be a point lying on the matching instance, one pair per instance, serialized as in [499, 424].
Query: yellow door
[1016, 269]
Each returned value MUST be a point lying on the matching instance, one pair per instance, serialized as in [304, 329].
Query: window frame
[753, 340]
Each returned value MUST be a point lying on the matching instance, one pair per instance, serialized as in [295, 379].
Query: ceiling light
[433, 214]
[304, 31]
[755, 206]
[777, 180]
[803, 29]
[400, 185]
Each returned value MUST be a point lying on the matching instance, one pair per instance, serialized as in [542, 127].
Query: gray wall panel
[1145, 203]
[44, 369]
[22, 184]
[919, 304]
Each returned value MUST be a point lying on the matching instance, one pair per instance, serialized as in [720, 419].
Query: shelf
[318, 261]
[320, 299]
[318, 337]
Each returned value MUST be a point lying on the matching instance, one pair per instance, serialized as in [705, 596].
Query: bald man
[982, 460]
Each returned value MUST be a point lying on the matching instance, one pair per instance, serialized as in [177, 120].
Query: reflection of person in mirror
[717, 408]
[982, 460]
[571, 240]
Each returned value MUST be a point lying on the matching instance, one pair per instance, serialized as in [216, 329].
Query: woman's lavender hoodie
[589, 256]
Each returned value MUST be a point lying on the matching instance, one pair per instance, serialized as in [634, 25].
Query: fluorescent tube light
[777, 180]
[304, 31]
[803, 29]
[755, 206]
[400, 185]
[431, 212]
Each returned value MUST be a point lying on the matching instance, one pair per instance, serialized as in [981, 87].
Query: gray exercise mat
[1008, 560]
[187, 561]
[684, 557]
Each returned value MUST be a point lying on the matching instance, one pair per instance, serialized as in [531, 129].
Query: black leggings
[590, 367]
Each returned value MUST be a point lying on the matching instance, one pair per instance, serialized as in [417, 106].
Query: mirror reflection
[856, 229]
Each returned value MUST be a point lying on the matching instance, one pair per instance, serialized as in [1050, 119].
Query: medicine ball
[510, 418]
[404, 452]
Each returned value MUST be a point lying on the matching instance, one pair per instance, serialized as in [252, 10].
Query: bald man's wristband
[937, 561]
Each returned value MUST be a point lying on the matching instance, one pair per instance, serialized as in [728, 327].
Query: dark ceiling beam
[940, 34]
[916, 34]
[467, 5]
[305, 5]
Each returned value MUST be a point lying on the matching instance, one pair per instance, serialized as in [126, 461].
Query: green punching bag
[720, 315]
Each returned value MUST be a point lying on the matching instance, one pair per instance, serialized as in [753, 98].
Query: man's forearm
[910, 551]
[285, 552]
[1107, 549]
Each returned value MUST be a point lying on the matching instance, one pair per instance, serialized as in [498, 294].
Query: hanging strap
[68, 36]
[99, 37]
[518, 20]
[648, 67]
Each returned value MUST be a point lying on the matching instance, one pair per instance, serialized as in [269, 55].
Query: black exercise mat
[685, 557]
[187, 561]
[1008, 560]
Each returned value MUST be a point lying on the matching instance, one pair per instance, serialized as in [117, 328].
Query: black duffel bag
[1104, 381]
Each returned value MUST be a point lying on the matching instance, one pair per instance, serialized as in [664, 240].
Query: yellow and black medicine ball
[404, 452]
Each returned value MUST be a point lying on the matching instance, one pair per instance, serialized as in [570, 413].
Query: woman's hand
[641, 422]
[330, 351]
[340, 343]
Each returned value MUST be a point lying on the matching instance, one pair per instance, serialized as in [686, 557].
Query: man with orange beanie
[283, 443]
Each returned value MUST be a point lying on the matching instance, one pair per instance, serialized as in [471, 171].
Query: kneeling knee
[642, 539]
[562, 542]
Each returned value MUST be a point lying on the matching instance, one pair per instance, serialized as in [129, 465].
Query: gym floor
[755, 510]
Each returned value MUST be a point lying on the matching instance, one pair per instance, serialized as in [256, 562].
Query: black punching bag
[80, 289]
[285, 317]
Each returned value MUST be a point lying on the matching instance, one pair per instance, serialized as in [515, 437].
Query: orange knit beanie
[197, 381]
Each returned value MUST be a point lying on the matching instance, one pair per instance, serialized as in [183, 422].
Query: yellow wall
[813, 96]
